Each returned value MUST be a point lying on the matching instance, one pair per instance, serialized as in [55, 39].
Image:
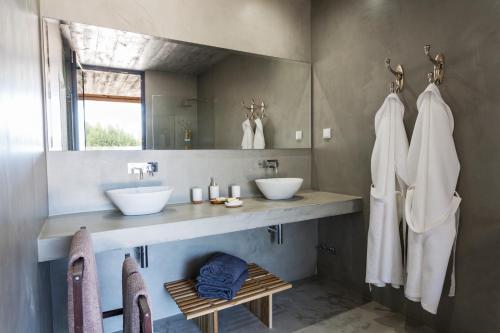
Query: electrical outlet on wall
[327, 134]
[298, 135]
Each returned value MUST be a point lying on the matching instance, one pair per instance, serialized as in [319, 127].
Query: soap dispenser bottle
[213, 189]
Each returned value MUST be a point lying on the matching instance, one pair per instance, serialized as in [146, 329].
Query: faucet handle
[151, 168]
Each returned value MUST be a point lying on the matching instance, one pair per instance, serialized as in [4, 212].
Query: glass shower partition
[172, 123]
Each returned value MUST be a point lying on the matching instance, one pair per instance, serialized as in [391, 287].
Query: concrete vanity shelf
[256, 293]
[111, 230]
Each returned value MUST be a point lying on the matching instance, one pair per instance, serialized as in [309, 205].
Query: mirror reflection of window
[109, 109]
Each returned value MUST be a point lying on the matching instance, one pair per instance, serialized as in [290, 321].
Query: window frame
[116, 70]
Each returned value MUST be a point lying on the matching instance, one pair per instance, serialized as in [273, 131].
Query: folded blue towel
[222, 269]
[216, 291]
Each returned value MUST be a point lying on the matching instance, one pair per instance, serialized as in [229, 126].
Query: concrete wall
[279, 28]
[285, 87]
[350, 40]
[24, 287]
[165, 93]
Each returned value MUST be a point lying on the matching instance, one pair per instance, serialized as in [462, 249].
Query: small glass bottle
[213, 189]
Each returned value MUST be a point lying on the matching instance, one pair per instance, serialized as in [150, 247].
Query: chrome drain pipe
[276, 232]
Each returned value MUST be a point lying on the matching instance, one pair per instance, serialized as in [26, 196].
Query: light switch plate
[298, 135]
[327, 133]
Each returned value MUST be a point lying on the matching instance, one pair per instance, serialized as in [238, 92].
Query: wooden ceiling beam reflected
[109, 98]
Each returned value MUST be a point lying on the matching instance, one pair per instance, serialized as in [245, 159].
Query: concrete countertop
[111, 230]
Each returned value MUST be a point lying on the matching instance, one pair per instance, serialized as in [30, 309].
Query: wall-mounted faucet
[270, 164]
[141, 168]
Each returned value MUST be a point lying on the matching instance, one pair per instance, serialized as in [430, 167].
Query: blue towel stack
[221, 277]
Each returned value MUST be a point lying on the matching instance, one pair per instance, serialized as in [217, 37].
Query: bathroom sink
[279, 188]
[140, 200]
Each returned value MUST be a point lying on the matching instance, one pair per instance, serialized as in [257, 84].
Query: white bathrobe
[258, 141]
[388, 167]
[247, 142]
[431, 201]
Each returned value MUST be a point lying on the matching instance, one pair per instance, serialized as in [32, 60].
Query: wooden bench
[256, 293]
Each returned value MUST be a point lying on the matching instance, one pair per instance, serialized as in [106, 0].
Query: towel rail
[112, 313]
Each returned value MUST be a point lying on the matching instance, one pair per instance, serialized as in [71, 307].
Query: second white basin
[279, 188]
[140, 200]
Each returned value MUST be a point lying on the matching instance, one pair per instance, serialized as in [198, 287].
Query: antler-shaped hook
[252, 105]
[427, 51]
[262, 110]
[251, 109]
[398, 73]
[438, 62]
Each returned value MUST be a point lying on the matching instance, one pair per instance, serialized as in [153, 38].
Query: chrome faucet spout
[141, 172]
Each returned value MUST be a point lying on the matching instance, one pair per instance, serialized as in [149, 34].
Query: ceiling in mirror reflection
[105, 47]
[98, 82]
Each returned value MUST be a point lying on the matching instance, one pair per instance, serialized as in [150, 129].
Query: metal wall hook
[398, 85]
[438, 62]
[430, 77]
[252, 110]
[392, 87]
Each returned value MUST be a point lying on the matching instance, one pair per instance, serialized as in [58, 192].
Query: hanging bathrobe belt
[453, 209]
[451, 293]
[402, 193]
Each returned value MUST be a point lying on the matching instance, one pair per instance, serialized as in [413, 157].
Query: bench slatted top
[260, 283]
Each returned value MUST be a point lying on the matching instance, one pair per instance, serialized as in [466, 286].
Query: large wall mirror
[107, 89]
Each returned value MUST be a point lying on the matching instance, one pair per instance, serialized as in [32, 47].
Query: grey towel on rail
[134, 288]
[81, 247]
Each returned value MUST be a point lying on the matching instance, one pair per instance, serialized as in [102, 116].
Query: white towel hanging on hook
[248, 137]
[259, 142]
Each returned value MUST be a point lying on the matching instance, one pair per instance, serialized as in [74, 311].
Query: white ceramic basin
[279, 188]
[140, 200]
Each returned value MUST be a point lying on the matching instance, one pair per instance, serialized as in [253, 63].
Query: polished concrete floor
[311, 306]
